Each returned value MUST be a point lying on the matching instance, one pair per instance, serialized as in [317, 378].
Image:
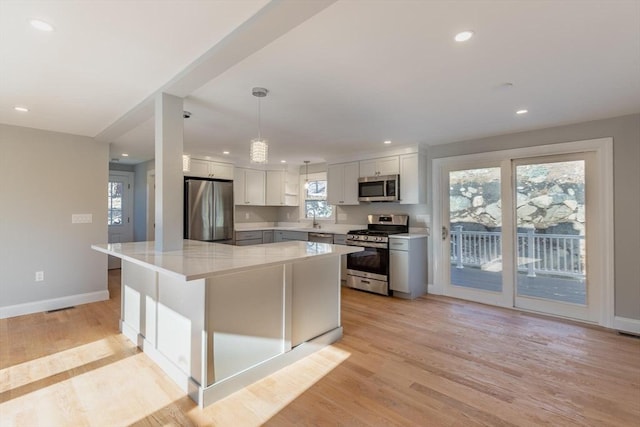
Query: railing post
[530, 253]
[458, 232]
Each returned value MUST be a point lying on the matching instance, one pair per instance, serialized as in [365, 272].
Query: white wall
[45, 177]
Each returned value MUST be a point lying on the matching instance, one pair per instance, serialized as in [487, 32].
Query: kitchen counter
[216, 318]
[411, 235]
[199, 260]
[325, 228]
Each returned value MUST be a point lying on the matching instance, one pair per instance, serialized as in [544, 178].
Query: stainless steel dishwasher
[321, 237]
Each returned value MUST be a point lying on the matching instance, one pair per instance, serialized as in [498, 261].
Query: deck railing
[559, 254]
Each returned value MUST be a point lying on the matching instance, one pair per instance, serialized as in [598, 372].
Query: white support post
[169, 127]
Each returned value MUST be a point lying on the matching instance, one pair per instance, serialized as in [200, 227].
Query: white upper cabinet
[209, 169]
[249, 187]
[282, 188]
[342, 184]
[412, 179]
[382, 166]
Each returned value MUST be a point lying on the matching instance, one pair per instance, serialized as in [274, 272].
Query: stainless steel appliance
[208, 210]
[321, 237]
[369, 270]
[384, 188]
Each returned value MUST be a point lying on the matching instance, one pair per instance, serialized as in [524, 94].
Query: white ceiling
[352, 75]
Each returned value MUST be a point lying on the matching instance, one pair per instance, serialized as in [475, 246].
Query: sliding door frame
[602, 269]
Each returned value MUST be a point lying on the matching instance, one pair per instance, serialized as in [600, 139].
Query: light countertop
[197, 260]
[414, 233]
[411, 235]
[328, 228]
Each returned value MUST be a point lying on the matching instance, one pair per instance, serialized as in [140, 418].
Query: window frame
[315, 176]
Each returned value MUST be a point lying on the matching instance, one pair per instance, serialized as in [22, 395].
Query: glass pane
[114, 202]
[550, 211]
[475, 219]
[317, 190]
[318, 209]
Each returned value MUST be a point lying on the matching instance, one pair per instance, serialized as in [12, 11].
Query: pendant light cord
[259, 133]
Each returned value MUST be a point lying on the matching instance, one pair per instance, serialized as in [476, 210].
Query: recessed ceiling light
[523, 111]
[225, 152]
[283, 161]
[463, 36]
[39, 24]
[125, 155]
[21, 109]
[387, 142]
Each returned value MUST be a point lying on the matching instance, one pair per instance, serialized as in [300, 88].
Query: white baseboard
[624, 324]
[52, 304]
[433, 289]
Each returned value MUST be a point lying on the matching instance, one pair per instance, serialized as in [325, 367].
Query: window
[114, 194]
[315, 197]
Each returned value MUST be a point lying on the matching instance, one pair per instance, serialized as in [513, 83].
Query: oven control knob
[365, 237]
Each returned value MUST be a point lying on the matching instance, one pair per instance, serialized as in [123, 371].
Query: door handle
[445, 233]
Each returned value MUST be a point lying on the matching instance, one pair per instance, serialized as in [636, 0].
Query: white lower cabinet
[408, 266]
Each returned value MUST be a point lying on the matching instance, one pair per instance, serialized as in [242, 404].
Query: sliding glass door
[473, 234]
[518, 232]
[551, 213]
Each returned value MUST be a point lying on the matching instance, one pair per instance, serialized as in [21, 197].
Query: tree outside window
[315, 203]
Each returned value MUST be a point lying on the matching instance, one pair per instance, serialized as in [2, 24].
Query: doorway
[519, 229]
[120, 208]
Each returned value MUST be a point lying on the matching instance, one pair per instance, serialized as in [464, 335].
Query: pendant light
[306, 178]
[259, 146]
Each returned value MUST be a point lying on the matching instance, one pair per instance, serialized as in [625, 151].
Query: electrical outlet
[288, 215]
[39, 276]
[246, 215]
[81, 218]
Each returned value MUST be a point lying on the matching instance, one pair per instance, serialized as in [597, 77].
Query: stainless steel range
[369, 270]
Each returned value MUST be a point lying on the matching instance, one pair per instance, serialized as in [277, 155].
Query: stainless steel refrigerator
[208, 210]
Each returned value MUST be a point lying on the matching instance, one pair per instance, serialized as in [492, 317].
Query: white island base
[255, 310]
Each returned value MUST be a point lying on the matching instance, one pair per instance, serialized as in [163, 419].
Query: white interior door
[120, 214]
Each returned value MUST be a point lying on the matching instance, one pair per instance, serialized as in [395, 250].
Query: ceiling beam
[272, 21]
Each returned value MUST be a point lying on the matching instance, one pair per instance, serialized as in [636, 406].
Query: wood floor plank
[433, 361]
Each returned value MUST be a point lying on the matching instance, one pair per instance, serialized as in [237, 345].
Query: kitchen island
[218, 317]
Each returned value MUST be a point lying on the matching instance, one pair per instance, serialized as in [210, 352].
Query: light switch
[81, 218]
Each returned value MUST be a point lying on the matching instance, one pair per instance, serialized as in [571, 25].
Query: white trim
[52, 304]
[602, 147]
[624, 324]
[206, 395]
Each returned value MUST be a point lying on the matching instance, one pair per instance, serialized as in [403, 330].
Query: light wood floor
[429, 362]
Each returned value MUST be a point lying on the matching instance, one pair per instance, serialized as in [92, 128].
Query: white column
[169, 181]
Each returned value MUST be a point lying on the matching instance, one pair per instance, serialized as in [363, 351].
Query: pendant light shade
[259, 152]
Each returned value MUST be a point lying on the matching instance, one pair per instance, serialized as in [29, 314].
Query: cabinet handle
[365, 281]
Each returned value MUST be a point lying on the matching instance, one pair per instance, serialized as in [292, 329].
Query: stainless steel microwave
[384, 188]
